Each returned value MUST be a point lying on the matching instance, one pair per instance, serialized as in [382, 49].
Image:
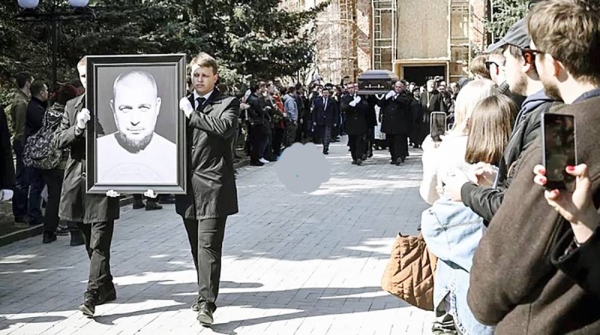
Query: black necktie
[200, 101]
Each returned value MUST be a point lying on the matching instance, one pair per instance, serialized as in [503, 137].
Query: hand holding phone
[437, 126]
[559, 146]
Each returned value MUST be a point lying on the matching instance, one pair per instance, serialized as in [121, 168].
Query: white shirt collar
[206, 96]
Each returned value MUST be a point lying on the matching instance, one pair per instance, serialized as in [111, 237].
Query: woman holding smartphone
[576, 253]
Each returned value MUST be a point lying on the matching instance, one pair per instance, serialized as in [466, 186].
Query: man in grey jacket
[95, 214]
[291, 109]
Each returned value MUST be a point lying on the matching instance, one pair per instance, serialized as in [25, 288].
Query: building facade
[416, 39]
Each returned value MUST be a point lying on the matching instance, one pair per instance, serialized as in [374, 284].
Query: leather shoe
[109, 296]
[88, 308]
[152, 205]
[49, 237]
[205, 315]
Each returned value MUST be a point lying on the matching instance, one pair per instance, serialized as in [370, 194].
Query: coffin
[376, 82]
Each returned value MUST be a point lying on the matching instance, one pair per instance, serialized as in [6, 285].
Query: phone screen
[437, 125]
[559, 149]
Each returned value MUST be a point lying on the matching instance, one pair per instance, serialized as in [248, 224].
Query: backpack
[39, 151]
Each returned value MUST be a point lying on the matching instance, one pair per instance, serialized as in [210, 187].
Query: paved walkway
[293, 264]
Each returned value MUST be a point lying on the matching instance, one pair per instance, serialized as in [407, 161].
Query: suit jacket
[513, 281]
[325, 115]
[211, 191]
[396, 115]
[356, 117]
[75, 204]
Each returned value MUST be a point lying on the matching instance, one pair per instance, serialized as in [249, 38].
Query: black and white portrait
[137, 114]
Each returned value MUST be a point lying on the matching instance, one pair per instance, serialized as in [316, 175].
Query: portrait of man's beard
[133, 146]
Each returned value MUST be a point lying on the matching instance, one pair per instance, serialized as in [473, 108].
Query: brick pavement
[293, 264]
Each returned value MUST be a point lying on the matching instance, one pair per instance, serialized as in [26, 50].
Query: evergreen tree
[506, 13]
[246, 36]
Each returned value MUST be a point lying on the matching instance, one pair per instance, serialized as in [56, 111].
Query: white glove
[82, 118]
[390, 94]
[6, 195]
[150, 194]
[112, 194]
[186, 106]
[355, 101]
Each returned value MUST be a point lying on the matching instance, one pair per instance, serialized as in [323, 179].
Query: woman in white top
[441, 159]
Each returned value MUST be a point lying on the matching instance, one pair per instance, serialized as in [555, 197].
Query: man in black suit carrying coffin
[325, 116]
[211, 194]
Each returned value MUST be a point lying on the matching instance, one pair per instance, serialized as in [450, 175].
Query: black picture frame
[97, 67]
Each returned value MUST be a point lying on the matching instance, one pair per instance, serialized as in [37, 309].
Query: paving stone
[292, 264]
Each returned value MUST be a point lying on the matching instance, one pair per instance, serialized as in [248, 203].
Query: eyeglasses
[529, 55]
[488, 65]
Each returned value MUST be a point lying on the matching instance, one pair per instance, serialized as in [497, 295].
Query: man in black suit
[325, 116]
[211, 194]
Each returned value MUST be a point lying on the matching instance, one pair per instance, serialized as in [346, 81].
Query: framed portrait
[136, 135]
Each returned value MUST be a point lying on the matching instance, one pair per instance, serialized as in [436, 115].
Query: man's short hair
[479, 68]
[569, 30]
[37, 87]
[205, 60]
[291, 89]
[142, 74]
[23, 78]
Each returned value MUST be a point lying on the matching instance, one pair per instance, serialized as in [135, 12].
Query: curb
[39, 229]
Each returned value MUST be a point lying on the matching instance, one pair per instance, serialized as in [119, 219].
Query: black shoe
[325, 152]
[76, 238]
[359, 162]
[49, 237]
[62, 231]
[354, 162]
[364, 157]
[257, 164]
[138, 204]
[398, 161]
[152, 205]
[109, 296]
[166, 199]
[88, 308]
[205, 315]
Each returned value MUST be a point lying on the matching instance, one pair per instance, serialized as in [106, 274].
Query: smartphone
[437, 125]
[560, 151]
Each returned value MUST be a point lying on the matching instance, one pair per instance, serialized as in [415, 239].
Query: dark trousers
[278, 134]
[54, 180]
[398, 145]
[21, 193]
[324, 133]
[98, 238]
[206, 241]
[357, 146]
[290, 137]
[258, 139]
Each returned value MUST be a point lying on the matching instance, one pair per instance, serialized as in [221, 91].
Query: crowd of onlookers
[516, 254]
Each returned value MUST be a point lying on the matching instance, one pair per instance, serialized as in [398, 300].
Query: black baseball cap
[516, 35]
